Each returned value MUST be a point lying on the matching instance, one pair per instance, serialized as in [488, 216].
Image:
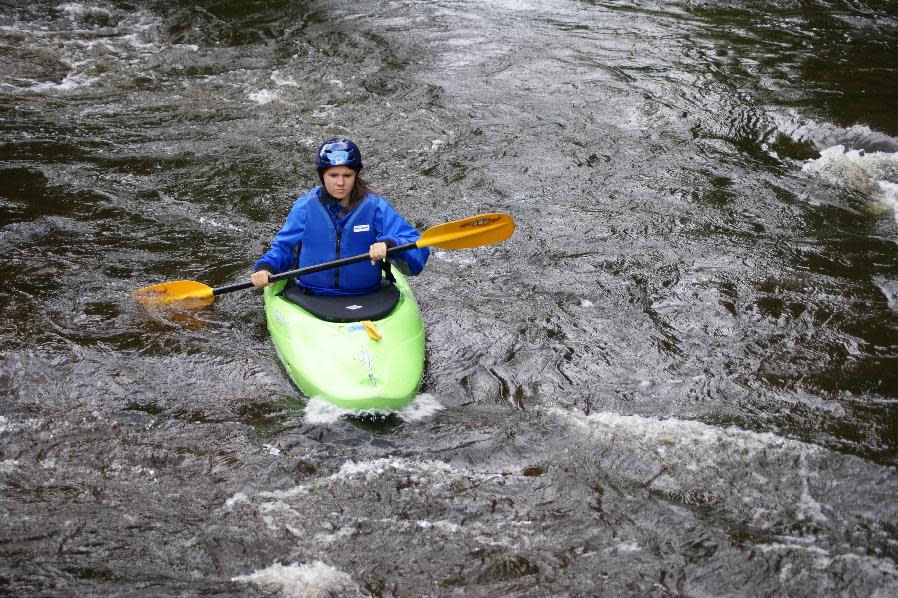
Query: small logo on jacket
[361, 228]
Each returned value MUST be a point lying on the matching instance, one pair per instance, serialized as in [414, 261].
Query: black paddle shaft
[310, 269]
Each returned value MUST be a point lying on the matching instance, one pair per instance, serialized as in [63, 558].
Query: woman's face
[339, 180]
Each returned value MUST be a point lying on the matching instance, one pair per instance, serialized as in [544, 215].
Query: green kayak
[341, 359]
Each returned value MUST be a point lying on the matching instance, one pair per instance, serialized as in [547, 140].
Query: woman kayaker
[338, 219]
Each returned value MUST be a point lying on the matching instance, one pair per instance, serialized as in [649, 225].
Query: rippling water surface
[680, 376]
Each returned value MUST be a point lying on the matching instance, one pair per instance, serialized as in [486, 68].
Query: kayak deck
[341, 362]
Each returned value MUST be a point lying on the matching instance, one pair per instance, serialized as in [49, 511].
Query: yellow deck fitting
[371, 330]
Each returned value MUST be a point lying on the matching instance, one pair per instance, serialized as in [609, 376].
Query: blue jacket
[313, 234]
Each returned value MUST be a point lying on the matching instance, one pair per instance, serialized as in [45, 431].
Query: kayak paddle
[475, 231]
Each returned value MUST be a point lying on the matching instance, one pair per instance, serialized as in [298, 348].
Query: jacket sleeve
[394, 230]
[282, 254]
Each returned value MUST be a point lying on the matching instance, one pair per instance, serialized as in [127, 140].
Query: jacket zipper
[337, 270]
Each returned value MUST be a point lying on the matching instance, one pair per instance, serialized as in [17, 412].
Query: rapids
[678, 377]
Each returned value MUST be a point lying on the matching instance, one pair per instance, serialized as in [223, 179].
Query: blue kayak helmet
[338, 151]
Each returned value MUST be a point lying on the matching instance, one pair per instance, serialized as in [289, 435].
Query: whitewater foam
[281, 81]
[889, 194]
[433, 472]
[312, 580]
[127, 37]
[372, 469]
[889, 288]
[319, 411]
[872, 173]
[459, 258]
[263, 96]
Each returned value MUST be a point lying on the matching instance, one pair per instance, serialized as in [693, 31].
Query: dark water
[679, 377]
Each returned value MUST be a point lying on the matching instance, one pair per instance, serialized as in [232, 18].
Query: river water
[678, 377]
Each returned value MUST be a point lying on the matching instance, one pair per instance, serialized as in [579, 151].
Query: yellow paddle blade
[476, 231]
[196, 293]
